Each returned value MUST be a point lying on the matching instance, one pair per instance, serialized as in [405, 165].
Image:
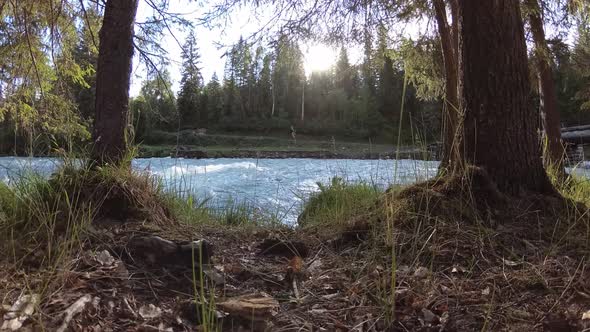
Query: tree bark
[499, 127]
[451, 104]
[112, 82]
[555, 152]
[455, 26]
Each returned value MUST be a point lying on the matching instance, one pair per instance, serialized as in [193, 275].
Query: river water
[275, 186]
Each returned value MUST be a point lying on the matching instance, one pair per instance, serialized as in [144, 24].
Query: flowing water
[275, 186]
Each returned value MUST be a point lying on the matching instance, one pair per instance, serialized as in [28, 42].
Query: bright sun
[318, 57]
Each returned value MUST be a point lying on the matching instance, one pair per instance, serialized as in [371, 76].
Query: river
[276, 186]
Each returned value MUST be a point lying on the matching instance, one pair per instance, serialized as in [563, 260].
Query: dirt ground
[395, 271]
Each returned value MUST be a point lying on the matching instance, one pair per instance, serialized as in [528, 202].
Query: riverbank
[279, 153]
[111, 251]
[191, 144]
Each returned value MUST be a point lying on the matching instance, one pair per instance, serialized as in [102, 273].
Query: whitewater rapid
[275, 186]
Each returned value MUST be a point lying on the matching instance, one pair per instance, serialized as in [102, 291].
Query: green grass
[338, 202]
[42, 213]
[576, 188]
[192, 210]
[164, 144]
[573, 187]
[42, 229]
[44, 224]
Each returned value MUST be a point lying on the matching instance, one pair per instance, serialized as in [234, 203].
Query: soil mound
[115, 194]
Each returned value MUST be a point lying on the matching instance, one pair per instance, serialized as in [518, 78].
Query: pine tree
[288, 78]
[213, 100]
[265, 86]
[160, 105]
[231, 92]
[388, 95]
[344, 88]
[390, 80]
[253, 81]
[319, 88]
[345, 74]
[554, 152]
[581, 64]
[494, 94]
[190, 84]
[368, 74]
[113, 76]
[85, 54]
[243, 63]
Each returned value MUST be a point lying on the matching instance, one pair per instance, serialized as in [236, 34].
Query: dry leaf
[251, 307]
[149, 311]
[20, 311]
[315, 266]
[421, 272]
[429, 316]
[73, 310]
[296, 264]
[510, 263]
[104, 258]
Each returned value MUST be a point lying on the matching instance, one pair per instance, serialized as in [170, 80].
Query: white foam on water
[186, 169]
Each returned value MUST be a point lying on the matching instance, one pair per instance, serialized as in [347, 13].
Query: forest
[491, 235]
[267, 90]
[48, 97]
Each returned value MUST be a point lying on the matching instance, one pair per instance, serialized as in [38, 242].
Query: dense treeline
[265, 90]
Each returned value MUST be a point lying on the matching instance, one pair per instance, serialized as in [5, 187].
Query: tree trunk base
[471, 197]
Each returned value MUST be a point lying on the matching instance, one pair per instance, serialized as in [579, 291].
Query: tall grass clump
[118, 193]
[46, 218]
[338, 202]
[40, 218]
[573, 186]
[191, 209]
[576, 191]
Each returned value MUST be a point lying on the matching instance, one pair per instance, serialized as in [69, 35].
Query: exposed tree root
[115, 194]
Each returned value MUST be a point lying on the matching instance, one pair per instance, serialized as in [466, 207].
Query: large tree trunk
[451, 104]
[112, 82]
[548, 95]
[499, 128]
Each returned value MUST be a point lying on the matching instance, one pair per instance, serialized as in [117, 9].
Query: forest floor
[424, 258]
